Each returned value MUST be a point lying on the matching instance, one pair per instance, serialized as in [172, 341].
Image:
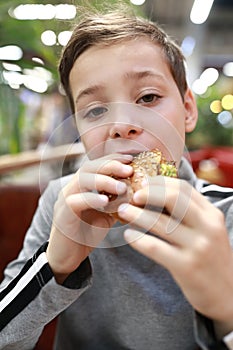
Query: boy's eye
[149, 98]
[95, 112]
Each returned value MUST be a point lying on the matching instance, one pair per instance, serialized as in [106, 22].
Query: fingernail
[123, 207]
[103, 198]
[121, 187]
[128, 156]
[136, 197]
[126, 167]
[128, 235]
[144, 183]
[132, 235]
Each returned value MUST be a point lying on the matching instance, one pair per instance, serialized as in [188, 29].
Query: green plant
[209, 132]
[11, 120]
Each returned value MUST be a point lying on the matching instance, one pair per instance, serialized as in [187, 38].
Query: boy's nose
[124, 130]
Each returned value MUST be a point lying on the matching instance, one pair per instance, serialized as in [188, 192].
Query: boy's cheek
[94, 146]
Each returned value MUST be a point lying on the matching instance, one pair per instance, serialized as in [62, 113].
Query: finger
[180, 200]
[84, 204]
[164, 226]
[86, 200]
[177, 186]
[112, 168]
[68, 210]
[154, 248]
[107, 164]
[69, 219]
[100, 183]
[105, 182]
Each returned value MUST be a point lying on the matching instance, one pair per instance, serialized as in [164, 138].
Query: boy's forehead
[123, 64]
[140, 51]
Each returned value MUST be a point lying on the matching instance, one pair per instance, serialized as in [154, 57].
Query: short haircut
[115, 26]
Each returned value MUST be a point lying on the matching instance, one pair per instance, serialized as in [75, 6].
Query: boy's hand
[194, 246]
[79, 225]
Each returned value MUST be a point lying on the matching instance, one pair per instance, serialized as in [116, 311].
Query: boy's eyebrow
[88, 91]
[91, 90]
[143, 74]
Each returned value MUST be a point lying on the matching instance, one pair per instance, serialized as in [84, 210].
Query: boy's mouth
[132, 152]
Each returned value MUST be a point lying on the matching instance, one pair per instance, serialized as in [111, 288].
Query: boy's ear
[191, 111]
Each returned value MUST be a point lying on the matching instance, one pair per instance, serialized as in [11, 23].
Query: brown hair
[111, 28]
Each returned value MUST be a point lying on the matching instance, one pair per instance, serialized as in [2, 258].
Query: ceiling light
[137, 2]
[216, 106]
[200, 11]
[65, 11]
[209, 76]
[49, 38]
[228, 69]
[227, 102]
[199, 87]
[11, 53]
[43, 12]
[35, 84]
[225, 118]
[11, 67]
[64, 37]
[33, 11]
[38, 60]
[39, 72]
[188, 45]
[13, 78]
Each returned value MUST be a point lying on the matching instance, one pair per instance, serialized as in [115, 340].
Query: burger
[145, 164]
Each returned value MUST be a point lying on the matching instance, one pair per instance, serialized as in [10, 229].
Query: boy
[125, 80]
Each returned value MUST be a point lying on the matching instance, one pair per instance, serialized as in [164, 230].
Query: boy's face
[127, 101]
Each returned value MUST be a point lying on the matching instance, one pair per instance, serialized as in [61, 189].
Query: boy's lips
[132, 152]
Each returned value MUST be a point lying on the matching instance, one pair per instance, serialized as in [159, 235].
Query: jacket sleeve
[30, 297]
[203, 326]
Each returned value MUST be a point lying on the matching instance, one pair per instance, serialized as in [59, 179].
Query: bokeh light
[227, 102]
[216, 106]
